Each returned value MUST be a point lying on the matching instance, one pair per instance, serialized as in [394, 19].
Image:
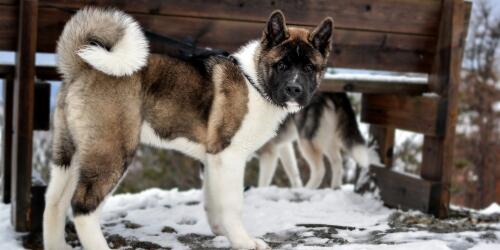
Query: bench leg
[384, 137]
[8, 90]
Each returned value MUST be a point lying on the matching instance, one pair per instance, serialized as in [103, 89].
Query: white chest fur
[259, 124]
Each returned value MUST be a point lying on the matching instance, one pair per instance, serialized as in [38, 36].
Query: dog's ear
[276, 30]
[321, 38]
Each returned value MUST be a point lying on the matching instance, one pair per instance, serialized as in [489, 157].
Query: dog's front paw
[256, 244]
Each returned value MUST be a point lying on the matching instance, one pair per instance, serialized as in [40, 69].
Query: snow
[493, 208]
[376, 77]
[487, 246]
[270, 212]
[7, 235]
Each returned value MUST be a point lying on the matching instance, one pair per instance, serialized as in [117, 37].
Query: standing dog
[326, 127]
[218, 110]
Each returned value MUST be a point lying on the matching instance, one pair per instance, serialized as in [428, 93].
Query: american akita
[218, 110]
[326, 127]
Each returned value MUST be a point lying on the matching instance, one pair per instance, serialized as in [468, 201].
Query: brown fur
[105, 116]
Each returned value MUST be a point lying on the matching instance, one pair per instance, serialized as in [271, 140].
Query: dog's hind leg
[335, 159]
[289, 161]
[62, 184]
[63, 179]
[100, 170]
[314, 158]
[268, 161]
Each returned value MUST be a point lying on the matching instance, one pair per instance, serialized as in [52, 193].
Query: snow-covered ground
[162, 219]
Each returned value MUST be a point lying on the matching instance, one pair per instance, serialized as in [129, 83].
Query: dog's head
[292, 61]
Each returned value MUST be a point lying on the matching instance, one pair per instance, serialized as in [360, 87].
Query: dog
[219, 110]
[326, 127]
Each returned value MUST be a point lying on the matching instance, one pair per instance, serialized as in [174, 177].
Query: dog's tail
[351, 136]
[108, 40]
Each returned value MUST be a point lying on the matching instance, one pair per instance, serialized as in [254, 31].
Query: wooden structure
[424, 36]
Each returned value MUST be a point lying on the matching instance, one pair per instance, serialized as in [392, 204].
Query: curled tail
[108, 40]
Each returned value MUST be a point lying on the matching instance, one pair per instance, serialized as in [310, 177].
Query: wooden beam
[437, 162]
[413, 113]
[353, 48]
[407, 16]
[384, 137]
[8, 94]
[404, 191]
[373, 87]
[24, 92]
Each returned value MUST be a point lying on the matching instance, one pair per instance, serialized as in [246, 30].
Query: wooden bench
[422, 36]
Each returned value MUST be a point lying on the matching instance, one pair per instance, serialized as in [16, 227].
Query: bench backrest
[370, 34]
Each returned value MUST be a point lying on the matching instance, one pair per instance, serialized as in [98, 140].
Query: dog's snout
[293, 90]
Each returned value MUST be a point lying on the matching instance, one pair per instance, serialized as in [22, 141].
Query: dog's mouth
[293, 106]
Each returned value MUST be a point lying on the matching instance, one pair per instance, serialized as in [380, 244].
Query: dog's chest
[258, 126]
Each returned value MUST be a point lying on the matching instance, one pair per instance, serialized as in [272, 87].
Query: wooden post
[384, 136]
[24, 90]
[8, 93]
[437, 162]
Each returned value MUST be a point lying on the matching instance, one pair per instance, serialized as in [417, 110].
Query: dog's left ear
[321, 38]
[276, 30]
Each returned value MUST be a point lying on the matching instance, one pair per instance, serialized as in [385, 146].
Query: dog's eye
[281, 66]
[308, 67]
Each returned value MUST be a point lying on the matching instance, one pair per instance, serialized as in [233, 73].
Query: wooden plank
[8, 94]
[403, 191]
[41, 120]
[437, 162]
[413, 113]
[403, 16]
[353, 48]
[373, 87]
[49, 73]
[384, 137]
[44, 73]
[24, 90]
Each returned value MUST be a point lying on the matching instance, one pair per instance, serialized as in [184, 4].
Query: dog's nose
[293, 90]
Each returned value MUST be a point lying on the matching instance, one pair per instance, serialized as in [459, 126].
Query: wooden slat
[8, 94]
[403, 16]
[373, 87]
[384, 137]
[417, 114]
[49, 73]
[403, 191]
[24, 90]
[353, 48]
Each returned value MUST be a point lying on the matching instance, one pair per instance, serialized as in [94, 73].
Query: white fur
[181, 144]
[224, 173]
[127, 56]
[268, 162]
[89, 231]
[63, 182]
[289, 161]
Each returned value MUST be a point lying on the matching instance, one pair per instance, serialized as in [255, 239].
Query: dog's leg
[62, 184]
[289, 161]
[224, 197]
[61, 187]
[314, 159]
[268, 161]
[100, 171]
[335, 159]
